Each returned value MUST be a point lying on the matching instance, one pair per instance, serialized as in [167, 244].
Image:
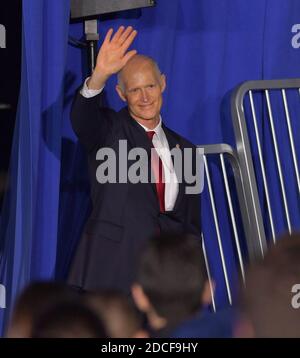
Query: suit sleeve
[91, 121]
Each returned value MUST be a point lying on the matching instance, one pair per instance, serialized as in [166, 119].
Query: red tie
[158, 170]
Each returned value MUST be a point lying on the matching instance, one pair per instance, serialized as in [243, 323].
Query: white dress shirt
[161, 144]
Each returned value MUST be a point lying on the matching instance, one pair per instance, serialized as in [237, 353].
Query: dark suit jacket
[124, 215]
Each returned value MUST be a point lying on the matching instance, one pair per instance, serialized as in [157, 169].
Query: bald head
[135, 64]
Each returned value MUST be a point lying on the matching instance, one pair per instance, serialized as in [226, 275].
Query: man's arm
[90, 122]
[87, 92]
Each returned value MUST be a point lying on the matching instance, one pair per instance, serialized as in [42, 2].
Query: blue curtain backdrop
[205, 48]
[30, 213]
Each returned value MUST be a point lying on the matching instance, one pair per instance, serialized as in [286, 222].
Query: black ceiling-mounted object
[94, 8]
[89, 10]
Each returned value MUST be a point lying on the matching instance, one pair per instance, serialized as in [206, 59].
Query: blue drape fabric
[30, 213]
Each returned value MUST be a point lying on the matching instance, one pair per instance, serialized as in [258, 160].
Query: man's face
[143, 88]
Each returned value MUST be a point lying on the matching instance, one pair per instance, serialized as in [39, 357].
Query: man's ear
[139, 297]
[163, 83]
[121, 93]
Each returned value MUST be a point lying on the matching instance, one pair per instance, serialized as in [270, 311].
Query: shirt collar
[158, 129]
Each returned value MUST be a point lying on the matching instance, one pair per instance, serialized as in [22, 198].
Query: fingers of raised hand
[108, 36]
[125, 35]
[122, 35]
[117, 35]
[129, 39]
[128, 56]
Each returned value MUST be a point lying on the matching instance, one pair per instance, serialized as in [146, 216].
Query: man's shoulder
[184, 142]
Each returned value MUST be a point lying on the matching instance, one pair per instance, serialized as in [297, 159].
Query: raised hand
[113, 55]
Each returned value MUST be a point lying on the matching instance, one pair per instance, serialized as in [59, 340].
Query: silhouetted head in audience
[68, 320]
[171, 283]
[33, 301]
[117, 314]
[267, 297]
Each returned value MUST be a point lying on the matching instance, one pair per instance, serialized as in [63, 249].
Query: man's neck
[148, 123]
